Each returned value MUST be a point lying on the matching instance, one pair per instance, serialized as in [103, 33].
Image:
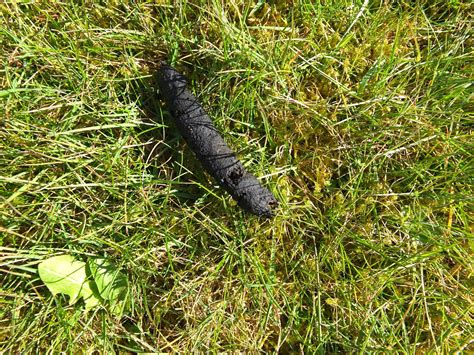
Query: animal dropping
[209, 147]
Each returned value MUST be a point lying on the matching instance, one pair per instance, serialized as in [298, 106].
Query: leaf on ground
[111, 283]
[63, 274]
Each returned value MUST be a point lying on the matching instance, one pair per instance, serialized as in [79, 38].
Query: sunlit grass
[356, 116]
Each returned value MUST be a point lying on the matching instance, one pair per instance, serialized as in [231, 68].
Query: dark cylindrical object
[209, 147]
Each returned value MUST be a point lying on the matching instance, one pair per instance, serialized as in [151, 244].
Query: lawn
[357, 115]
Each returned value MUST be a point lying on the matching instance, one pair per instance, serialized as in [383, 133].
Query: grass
[357, 115]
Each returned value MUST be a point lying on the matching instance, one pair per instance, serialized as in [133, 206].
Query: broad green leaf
[111, 283]
[63, 274]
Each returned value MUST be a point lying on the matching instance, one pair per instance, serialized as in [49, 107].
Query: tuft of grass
[357, 115]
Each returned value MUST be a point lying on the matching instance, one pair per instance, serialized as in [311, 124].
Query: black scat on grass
[209, 147]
